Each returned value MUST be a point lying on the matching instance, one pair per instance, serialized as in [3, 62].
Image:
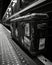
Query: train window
[27, 29]
[16, 32]
[42, 43]
[27, 41]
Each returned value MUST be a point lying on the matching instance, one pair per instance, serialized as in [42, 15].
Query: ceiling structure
[39, 8]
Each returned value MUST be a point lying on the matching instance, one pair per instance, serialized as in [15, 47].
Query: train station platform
[10, 52]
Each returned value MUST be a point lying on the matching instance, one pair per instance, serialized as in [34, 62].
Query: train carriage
[31, 31]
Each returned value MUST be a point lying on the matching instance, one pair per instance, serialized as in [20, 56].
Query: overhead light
[13, 4]
[7, 16]
[22, 0]
[9, 9]
[6, 12]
